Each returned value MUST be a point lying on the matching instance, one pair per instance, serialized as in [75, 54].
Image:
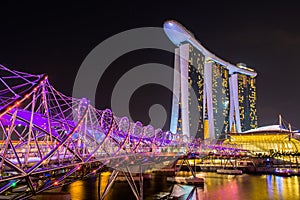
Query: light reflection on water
[217, 187]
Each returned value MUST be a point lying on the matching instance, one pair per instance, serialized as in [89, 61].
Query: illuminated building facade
[211, 97]
[188, 88]
[243, 104]
[220, 99]
[247, 99]
[265, 140]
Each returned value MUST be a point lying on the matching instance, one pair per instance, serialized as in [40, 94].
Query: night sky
[55, 38]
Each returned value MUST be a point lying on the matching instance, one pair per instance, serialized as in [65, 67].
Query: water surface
[216, 187]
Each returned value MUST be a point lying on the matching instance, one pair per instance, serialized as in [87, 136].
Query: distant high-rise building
[220, 99]
[244, 114]
[211, 96]
[188, 86]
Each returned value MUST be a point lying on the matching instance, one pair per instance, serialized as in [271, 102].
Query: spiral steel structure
[48, 139]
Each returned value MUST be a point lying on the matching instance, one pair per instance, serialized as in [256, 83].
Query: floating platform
[230, 171]
[121, 178]
[186, 180]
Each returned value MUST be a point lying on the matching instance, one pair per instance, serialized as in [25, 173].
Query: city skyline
[47, 39]
[104, 100]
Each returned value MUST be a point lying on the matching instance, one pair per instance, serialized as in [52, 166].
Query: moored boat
[230, 171]
[283, 172]
[186, 180]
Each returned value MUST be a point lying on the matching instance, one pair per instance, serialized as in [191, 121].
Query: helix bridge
[48, 139]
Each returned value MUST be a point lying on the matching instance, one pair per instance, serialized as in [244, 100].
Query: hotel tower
[211, 97]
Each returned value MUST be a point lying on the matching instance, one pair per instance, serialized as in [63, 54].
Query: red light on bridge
[55, 183]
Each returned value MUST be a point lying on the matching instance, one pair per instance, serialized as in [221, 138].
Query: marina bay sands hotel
[211, 97]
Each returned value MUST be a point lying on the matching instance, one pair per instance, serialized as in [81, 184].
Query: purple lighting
[48, 132]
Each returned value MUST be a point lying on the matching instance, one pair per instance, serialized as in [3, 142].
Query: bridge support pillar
[141, 182]
[185, 160]
[99, 186]
[111, 180]
[137, 193]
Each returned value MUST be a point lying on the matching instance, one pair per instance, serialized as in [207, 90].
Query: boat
[230, 171]
[191, 180]
[136, 177]
[283, 172]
